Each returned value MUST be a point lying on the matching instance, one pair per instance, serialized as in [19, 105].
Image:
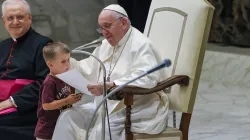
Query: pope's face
[17, 20]
[112, 28]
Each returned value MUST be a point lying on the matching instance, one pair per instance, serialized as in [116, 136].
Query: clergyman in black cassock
[26, 63]
[21, 58]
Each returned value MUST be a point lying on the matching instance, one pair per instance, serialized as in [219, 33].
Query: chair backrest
[179, 30]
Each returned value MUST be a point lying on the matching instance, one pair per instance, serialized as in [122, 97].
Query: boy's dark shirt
[52, 89]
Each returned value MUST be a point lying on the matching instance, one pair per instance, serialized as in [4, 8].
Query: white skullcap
[116, 8]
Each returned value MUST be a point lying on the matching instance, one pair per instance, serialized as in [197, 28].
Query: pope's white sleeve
[85, 66]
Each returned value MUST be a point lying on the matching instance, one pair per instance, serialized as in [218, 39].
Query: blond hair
[49, 51]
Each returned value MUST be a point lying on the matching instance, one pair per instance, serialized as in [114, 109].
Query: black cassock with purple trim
[22, 59]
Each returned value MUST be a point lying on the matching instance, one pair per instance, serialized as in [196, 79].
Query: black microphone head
[167, 62]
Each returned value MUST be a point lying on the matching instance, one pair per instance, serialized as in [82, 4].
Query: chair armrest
[182, 80]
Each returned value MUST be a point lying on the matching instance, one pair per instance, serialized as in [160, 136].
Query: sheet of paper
[76, 80]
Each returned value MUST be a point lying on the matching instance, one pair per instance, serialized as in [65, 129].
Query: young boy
[55, 95]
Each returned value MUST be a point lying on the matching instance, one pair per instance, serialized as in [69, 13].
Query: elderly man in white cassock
[126, 53]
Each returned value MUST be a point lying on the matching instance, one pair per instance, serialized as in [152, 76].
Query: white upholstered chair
[179, 30]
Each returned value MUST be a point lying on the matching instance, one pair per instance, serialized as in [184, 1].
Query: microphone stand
[165, 63]
[110, 94]
[89, 45]
[104, 90]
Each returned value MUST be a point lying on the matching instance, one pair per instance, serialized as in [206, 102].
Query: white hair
[24, 2]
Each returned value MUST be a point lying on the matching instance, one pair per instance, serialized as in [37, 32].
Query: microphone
[89, 45]
[104, 87]
[164, 63]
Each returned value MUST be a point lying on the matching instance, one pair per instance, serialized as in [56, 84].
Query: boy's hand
[73, 98]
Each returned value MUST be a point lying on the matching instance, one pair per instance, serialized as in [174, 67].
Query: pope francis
[126, 53]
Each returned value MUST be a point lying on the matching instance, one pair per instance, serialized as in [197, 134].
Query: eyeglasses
[106, 27]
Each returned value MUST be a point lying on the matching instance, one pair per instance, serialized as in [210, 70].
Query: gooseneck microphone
[164, 63]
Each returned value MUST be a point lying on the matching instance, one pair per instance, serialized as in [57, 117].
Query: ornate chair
[179, 30]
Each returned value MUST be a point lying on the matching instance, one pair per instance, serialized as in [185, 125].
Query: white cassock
[132, 56]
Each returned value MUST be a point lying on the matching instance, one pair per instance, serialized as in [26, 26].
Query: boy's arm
[48, 97]
[56, 104]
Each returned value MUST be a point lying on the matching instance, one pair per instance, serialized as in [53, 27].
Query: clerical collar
[24, 36]
[125, 37]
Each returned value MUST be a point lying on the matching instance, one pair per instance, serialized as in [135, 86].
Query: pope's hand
[97, 89]
[5, 104]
